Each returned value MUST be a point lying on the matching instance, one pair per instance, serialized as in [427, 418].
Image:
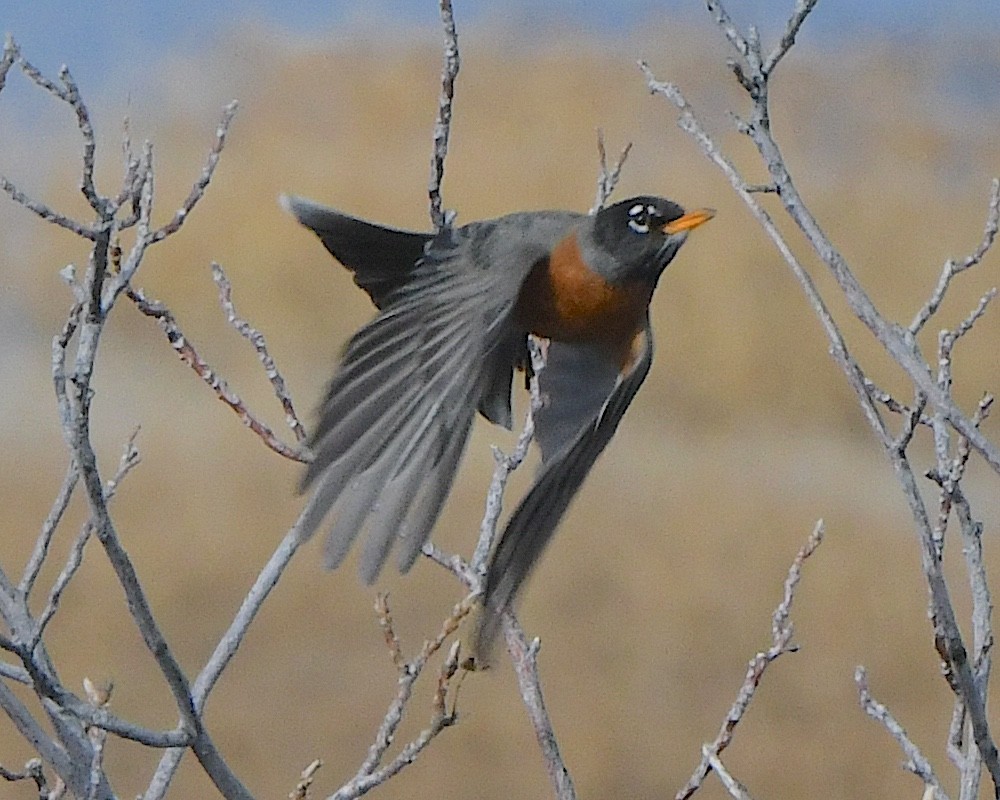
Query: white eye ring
[638, 221]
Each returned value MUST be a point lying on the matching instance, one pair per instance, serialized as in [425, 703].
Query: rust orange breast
[563, 299]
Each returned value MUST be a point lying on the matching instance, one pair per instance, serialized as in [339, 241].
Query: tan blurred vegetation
[662, 581]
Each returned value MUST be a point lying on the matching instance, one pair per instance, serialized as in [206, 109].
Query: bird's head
[636, 238]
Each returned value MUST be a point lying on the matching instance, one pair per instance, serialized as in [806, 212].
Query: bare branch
[32, 771]
[897, 342]
[35, 75]
[736, 789]
[301, 790]
[226, 649]
[781, 636]
[128, 462]
[256, 338]
[369, 775]
[916, 763]
[46, 213]
[41, 550]
[200, 185]
[607, 179]
[838, 346]
[952, 268]
[504, 466]
[388, 631]
[8, 56]
[795, 22]
[189, 355]
[524, 657]
[442, 126]
[72, 96]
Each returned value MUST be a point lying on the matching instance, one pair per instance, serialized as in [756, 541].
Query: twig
[369, 775]
[736, 789]
[129, 461]
[46, 213]
[32, 771]
[524, 656]
[256, 338]
[897, 341]
[505, 465]
[916, 763]
[795, 22]
[607, 179]
[200, 185]
[227, 647]
[952, 268]
[838, 346]
[41, 550]
[7, 58]
[442, 125]
[301, 790]
[982, 631]
[189, 355]
[388, 630]
[781, 636]
[71, 95]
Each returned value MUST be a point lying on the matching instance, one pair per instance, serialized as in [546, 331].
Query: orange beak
[689, 221]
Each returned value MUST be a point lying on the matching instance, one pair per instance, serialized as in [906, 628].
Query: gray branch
[442, 126]
[932, 388]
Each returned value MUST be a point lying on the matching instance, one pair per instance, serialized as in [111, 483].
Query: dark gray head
[636, 238]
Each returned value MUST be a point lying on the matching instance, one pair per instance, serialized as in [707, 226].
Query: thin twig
[781, 636]
[442, 125]
[388, 629]
[71, 95]
[607, 178]
[915, 763]
[505, 465]
[897, 342]
[7, 58]
[55, 515]
[129, 461]
[792, 28]
[227, 647]
[200, 185]
[256, 339]
[736, 789]
[952, 268]
[44, 212]
[189, 355]
[370, 775]
[524, 657]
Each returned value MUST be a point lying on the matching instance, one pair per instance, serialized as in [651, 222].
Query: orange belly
[564, 300]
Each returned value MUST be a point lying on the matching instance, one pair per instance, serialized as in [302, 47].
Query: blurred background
[661, 583]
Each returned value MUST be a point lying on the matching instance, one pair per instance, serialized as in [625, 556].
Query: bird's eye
[638, 218]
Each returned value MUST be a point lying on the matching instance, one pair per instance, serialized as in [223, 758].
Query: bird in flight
[455, 309]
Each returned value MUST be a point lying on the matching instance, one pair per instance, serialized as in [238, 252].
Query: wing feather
[381, 258]
[563, 469]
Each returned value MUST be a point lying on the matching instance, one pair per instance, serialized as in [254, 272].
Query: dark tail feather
[381, 258]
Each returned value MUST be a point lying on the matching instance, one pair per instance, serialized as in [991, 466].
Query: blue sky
[105, 41]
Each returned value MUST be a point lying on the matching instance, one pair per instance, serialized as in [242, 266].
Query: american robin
[455, 309]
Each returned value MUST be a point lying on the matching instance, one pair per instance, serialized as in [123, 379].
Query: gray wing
[397, 414]
[588, 395]
[382, 259]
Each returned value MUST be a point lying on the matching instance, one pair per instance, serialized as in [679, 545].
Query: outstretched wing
[572, 430]
[397, 414]
[382, 259]
[396, 417]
